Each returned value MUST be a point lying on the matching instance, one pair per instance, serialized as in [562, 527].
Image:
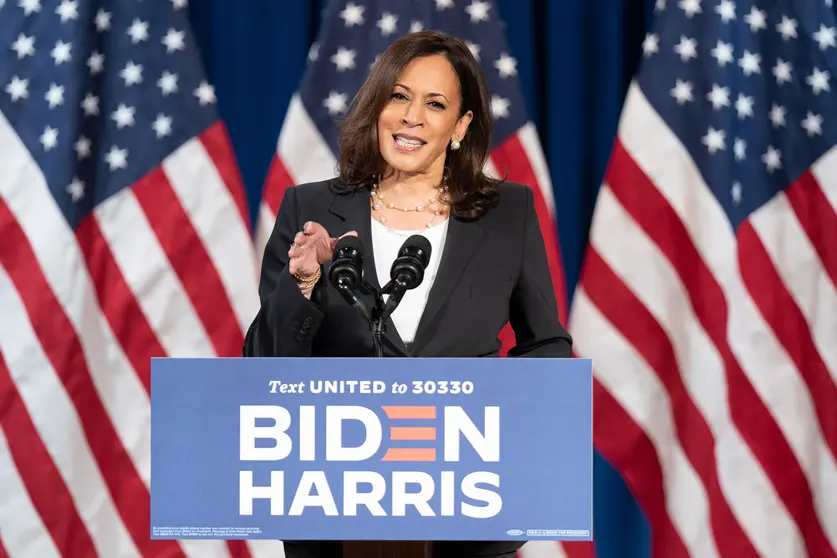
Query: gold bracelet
[306, 282]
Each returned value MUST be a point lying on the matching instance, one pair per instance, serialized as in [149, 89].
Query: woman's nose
[413, 115]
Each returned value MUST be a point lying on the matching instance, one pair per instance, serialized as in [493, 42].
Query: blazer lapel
[356, 214]
[461, 242]
[354, 211]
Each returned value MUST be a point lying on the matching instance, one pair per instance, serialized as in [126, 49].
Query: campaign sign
[371, 449]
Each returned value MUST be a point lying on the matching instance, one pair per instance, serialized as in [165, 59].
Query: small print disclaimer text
[206, 532]
[558, 532]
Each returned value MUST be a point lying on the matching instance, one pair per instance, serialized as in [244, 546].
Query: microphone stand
[377, 321]
[376, 318]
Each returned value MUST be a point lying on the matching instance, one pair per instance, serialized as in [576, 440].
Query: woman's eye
[403, 97]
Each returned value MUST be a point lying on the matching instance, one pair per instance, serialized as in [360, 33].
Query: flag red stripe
[238, 549]
[579, 549]
[755, 423]
[818, 219]
[43, 481]
[507, 339]
[3, 552]
[63, 348]
[628, 449]
[278, 180]
[118, 303]
[190, 260]
[788, 323]
[511, 157]
[218, 146]
[639, 327]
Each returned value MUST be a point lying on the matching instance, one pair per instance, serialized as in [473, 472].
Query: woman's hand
[311, 248]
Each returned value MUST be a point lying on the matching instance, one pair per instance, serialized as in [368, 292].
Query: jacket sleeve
[287, 321]
[533, 309]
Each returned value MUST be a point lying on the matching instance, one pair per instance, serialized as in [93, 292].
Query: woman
[412, 152]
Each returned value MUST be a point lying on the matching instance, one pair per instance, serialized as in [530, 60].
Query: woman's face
[420, 118]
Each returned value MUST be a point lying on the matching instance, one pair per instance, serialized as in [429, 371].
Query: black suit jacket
[493, 270]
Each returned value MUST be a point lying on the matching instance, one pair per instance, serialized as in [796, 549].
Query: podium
[387, 549]
[379, 454]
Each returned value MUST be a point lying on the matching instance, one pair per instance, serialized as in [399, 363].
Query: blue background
[575, 61]
[545, 472]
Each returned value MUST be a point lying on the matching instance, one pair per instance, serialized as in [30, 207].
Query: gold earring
[455, 144]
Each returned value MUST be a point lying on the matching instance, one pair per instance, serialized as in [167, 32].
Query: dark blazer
[493, 270]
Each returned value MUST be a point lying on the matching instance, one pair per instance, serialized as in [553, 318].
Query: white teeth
[403, 141]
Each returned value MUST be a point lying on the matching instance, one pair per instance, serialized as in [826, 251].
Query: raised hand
[311, 247]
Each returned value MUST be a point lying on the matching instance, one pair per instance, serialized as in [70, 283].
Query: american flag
[352, 35]
[124, 237]
[707, 299]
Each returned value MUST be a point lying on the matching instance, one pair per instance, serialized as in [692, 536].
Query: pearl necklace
[378, 198]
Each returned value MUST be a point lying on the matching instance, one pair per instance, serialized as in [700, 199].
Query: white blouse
[386, 242]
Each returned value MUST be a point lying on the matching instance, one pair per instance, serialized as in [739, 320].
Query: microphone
[407, 271]
[346, 272]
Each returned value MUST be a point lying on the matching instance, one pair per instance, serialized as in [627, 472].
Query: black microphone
[407, 270]
[346, 272]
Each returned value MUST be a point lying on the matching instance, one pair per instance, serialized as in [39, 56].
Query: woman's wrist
[307, 284]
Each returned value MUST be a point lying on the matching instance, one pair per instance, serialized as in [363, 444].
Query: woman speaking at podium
[412, 151]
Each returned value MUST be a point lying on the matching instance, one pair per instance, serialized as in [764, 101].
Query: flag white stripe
[542, 549]
[266, 549]
[531, 144]
[196, 548]
[45, 399]
[490, 168]
[666, 162]
[147, 272]
[212, 211]
[303, 151]
[802, 272]
[640, 393]
[305, 156]
[779, 385]
[619, 240]
[22, 532]
[57, 251]
[800, 269]
[24, 188]
[264, 226]
[825, 171]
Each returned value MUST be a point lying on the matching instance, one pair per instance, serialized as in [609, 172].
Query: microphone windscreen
[419, 245]
[349, 241]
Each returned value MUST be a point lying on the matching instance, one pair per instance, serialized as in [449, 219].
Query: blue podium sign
[371, 449]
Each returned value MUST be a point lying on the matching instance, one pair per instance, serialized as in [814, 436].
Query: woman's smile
[406, 143]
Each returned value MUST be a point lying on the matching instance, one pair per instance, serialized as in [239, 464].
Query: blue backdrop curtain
[575, 61]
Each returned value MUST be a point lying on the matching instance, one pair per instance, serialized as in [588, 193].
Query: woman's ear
[462, 125]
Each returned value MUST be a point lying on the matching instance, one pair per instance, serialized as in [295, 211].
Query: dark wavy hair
[470, 191]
